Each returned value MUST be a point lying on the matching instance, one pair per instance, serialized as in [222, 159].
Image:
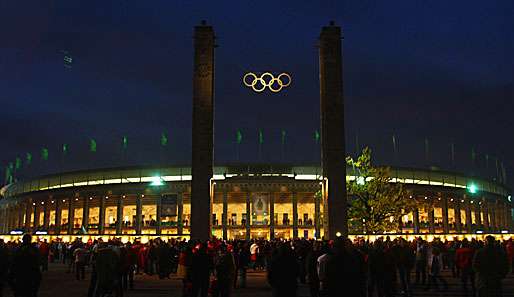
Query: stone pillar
[202, 132]
[85, 213]
[139, 215]
[28, 214]
[492, 209]
[20, 210]
[295, 214]
[332, 130]
[46, 214]
[225, 215]
[416, 220]
[71, 215]
[101, 215]
[431, 219]
[478, 216]
[119, 215]
[468, 215]
[317, 216]
[36, 216]
[272, 215]
[500, 215]
[248, 215]
[58, 216]
[458, 221]
[180, 213]
[159, 218]
[446, 226]
[485, 210]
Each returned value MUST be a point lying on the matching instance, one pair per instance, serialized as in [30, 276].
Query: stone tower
[332, 131]
[202, 132]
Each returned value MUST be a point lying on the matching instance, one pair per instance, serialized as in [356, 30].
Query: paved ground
[57, 283]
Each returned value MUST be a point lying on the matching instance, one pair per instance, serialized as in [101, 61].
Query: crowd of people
[361, 268]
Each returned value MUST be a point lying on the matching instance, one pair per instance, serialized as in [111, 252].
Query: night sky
[436, 70]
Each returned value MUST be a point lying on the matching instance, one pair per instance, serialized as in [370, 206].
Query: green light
[156, 181]
[472, 188]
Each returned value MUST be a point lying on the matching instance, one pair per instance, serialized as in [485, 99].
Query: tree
[376, 203]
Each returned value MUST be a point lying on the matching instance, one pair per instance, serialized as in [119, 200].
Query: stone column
[500, 215]
[295, 214]
[36, 216]
[119, 215]
[492, 209]
[415, 215]
[202, 132]
[272, 215]
[139, 215]
[446, 227]
[248, 215]
[431, 219]
[458, 221]
[101, 215]
[225, 215]
[159, 218]
[478, 216]
[20, 210]
[180, 213]
[46, 214]
[28, 214]
[468, 215]
[485, 210]
[85, 213]
[332, 129]
[71, 215]
[58, 216]
[317, 216]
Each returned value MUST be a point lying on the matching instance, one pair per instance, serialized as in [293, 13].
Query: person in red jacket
[44, 251]
[464, 261]
[510, 253]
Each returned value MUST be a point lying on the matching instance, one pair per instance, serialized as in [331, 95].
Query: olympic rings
[267, 80]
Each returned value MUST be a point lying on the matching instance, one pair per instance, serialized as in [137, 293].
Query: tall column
[20, 210]
[58, 215]
[272, 215]
[71, 215]
[446, 227]
[431, 219]
[492, 209]
[415, 215]
[500, 215]
[180, 213]
[202, 132]
[508, 215]
[468, 215]
[225, 214]
[159, 218]
[478, 216]
[332, 130]
[101, 215]
[458, 221]
[485, 210]
[119, 215]
[295, 214]
[28, 215]
[248, 215]
[139, 214]
[85, 213]
[36, 216]
[46, 214]
[317, 216]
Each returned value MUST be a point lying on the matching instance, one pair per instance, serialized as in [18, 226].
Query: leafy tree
[376, 204]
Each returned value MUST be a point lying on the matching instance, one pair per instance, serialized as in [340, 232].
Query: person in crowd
[242, 261]
[4, 265]
[225, 272]
[435, 266]
[312, 267]
[376, 269]
[164, 259]
[44, 251]
[81, 256]
[200, 271]
[510, 253]
[464, 261]
[405, 257]
[491, 266]
[283, 272]
[421, 261]
[25, 274]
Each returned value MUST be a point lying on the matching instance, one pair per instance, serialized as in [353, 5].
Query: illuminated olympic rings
[266, 80]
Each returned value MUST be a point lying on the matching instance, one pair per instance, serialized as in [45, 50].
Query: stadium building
[248, 201]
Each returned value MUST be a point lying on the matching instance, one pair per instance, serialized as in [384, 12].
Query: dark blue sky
[441, 70]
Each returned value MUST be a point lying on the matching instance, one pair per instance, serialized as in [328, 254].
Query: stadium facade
[248, 201]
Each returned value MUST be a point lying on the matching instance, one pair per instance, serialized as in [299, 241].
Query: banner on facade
[260, 205]
[169, 205]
